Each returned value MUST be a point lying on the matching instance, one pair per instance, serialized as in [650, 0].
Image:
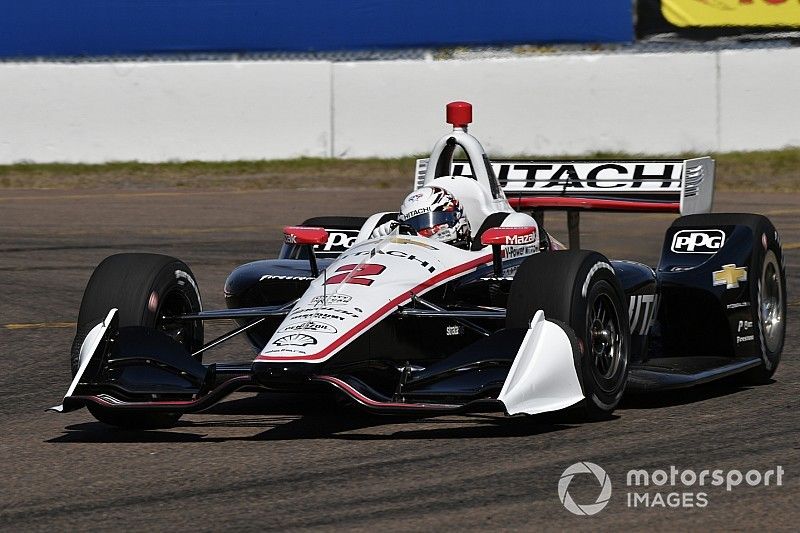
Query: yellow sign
[694, 13]
[730, 276]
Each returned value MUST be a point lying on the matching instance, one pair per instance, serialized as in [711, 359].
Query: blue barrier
[108, 27]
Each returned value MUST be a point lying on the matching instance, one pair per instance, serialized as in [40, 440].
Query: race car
[395, 321]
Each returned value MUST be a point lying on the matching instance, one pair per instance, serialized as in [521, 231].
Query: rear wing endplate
[668, 186]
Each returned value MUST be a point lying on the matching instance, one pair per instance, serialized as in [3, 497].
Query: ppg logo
[690, 241]
[338, 241]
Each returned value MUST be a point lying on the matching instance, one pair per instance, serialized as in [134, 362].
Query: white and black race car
[406, 324]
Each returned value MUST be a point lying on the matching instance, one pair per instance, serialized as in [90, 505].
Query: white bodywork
[88, 348]
[542, 377]
[360, 288]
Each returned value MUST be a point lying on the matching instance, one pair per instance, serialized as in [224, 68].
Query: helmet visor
[426, 221]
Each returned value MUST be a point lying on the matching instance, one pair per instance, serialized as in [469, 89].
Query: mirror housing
[509, 236]
[306, 236]
[512, 236]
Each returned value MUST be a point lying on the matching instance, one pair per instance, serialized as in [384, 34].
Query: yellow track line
[40, 325]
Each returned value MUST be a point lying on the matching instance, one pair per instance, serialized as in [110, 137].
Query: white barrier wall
[759, 99]
[565, 104]
[652, 103]
[95, 112]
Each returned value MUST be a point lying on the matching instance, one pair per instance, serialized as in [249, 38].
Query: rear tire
[146, 289]
[579, 288]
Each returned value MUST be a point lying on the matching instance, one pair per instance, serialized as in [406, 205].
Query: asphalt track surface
[286, 463]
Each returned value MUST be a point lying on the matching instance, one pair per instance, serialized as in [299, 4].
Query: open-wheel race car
[386, 313]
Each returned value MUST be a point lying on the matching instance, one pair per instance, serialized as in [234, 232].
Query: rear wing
[668, 186]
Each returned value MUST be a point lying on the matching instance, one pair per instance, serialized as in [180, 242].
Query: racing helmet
[435, 213]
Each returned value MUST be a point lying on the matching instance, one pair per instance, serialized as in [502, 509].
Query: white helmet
[433, 212]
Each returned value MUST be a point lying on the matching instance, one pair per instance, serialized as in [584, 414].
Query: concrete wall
[97, 112]
[566, 104]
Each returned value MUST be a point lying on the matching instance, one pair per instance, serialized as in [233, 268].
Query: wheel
[767, 287]
[580, 289]
[147, 289]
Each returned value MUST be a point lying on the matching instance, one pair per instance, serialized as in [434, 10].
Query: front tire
[147, 289]
[579, 288]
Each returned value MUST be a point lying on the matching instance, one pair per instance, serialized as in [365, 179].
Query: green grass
[775, 170]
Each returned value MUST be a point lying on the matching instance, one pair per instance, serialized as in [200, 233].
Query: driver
[434, 213]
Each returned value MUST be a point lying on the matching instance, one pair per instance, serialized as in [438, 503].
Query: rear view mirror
[304, 235]
[497, 237]
[509, 236]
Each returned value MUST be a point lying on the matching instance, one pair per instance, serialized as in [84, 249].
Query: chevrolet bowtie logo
[730, 276]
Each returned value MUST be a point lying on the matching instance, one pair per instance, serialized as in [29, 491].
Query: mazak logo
[520, 239]
[707, 241]
[589, 509]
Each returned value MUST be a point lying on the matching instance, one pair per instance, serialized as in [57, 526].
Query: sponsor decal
[642, 312]
[730, 276]
[297, 339]
[521, 239]
[737, 305]
[332, 299]
[338, 241]
[744, 325]
[726, 13]
[290, 238]
[299, 278]
[181, 276]
[394, 253]
[413, 213]
[453, 330]
[519, 251]
[312, 325]
[597, 266]
[324, 313]
[555, 177]
[746, 338]
[286, 352]
[356, 274]
[690, 241]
